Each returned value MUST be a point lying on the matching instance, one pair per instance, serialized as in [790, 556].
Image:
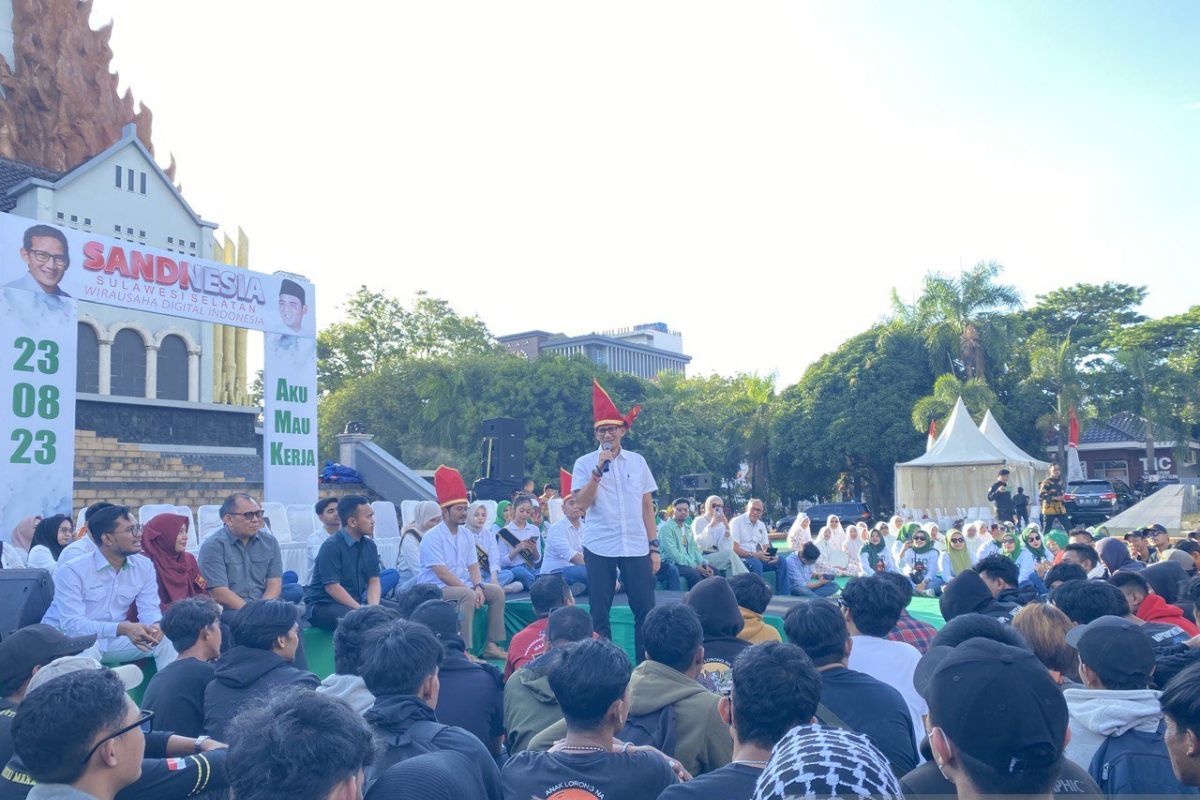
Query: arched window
[129, 364]
[172, 369]
[87, 366]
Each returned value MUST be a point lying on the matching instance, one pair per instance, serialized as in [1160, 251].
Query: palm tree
[958, 316]
[976, 396]
[1053, 366]
[753, 402]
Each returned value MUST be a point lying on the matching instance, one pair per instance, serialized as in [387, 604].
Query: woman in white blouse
[488, 547]
[50, 536]
[711, 530]
[800, 533]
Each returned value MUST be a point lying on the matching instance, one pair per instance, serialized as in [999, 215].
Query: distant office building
[643, 350]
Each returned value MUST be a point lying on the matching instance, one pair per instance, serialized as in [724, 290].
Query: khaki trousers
[464, 597]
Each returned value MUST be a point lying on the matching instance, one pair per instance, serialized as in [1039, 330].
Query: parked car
[1095, 500]
[846, 512]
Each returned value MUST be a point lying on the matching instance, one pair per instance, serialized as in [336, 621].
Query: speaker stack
[502, 459]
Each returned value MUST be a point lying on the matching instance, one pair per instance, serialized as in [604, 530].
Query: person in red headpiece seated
[449, 560]
[614, 487]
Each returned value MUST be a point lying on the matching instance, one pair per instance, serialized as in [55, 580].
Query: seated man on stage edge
[449, 560]
[613, 486]
[564, 540]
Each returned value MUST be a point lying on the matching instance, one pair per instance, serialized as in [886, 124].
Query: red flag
[933, 429]
[1073, 429]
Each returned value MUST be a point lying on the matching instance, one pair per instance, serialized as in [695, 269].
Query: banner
[289, 419]
[38, 342]
[99, 269]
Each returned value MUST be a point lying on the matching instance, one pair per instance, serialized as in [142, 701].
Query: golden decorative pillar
[218, 346]
[229, 337]
[241, 359]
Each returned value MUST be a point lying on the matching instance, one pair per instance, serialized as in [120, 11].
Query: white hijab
[799, 533]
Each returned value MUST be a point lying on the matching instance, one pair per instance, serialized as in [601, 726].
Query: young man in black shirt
[22, 654]
[591, 681]
[775, 688]
[400, 667]
[299, 744]
[851, 699]
[472, 693]
[346, 573]
[176, 694]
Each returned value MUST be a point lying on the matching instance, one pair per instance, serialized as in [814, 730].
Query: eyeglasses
[1033, 538]
[247, 515]
[607, 429]
[144, 722]
[957, 541]
[134, 529]
[919, 539]
[41, 257]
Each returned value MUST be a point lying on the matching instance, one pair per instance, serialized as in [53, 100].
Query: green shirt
[678, 545]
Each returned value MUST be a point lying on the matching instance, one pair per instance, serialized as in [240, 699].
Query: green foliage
[422, 378]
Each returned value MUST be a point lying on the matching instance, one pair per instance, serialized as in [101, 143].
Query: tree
[1087, 313]
[379, 330]
[847, 418]
[959, 317]
[1053, 369]
[975, 394]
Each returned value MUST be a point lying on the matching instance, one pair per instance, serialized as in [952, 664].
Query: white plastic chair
[210, 520]
[302, 520]
[408, 509]
[152, 510]
[386, 524]
[276, 513]
[556, 511]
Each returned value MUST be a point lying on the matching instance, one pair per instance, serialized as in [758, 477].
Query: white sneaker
[513, 588]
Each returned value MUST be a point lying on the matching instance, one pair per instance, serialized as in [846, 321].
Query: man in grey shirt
[240, 561]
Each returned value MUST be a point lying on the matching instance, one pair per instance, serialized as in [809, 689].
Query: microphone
[607, 448]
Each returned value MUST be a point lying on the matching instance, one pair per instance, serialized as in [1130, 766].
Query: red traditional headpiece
[605, 412]
[564, 483]
[449, 485]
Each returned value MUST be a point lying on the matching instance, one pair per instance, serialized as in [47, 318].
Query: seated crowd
[1078, 675]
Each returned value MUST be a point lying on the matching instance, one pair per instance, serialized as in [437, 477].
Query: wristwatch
[654, 547]
[478, 586]
[199, 743]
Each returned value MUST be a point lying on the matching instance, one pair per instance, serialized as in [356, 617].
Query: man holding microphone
[614, 487]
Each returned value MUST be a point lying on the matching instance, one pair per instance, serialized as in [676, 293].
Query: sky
[759, 176]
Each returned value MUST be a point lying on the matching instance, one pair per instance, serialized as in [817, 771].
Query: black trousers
[638, 578]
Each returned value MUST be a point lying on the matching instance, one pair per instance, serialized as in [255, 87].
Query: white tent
[956, 472]
[1027, 471]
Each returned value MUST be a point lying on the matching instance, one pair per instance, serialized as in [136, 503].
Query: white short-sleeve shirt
[749, 534]
[614, 519]
[441, 548]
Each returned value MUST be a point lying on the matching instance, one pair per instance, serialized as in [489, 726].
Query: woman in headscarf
[853, 547]
[164, 541]
[920, 560]
[1056, 543]
[800, 532]
[958, 557]
[976, 535]
[834, 525]
[875, 555]
[1115, 555]
[711, 530]
[22, 535]
[49, 538]
[487, 547]
[425, 516]
[1031, 543]
[1010, 548]
[503, 514]
[832, 552]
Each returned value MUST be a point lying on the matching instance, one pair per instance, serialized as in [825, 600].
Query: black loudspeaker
[25, 594]
[503, 456]
[701, 482]
[489, 489]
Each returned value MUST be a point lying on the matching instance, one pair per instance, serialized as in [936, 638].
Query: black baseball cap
[1114, 648]
[1156, 528]
[35, 646]
[1140, 533]
[996, 702]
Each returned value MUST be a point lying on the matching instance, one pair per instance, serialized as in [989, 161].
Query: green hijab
[960, 560]
[501, 507]
[1059, 538]
[906, 531]
[1038, 553]
[1016, 550]
[873, 551]
[928, 541]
